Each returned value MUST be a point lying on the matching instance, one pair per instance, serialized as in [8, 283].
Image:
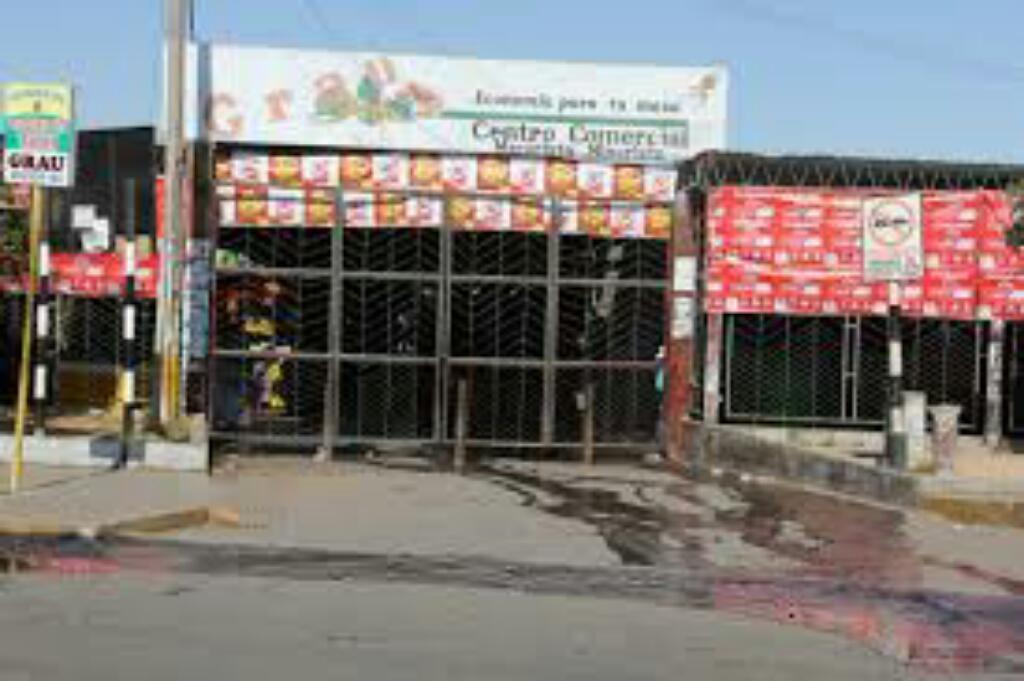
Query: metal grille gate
[832, 370]
[1013, 380]
[374, 328]
[89, 350]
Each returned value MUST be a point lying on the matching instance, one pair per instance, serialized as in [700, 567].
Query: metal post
[895, 445]
[41, 381]
[35, 228]
[460, 428]
[129, 314]
[184, 283]
[994, 391]
[211, 213]
[332, 389]
[551, 326]
[588, 424]
[171, 244]
[442, 329]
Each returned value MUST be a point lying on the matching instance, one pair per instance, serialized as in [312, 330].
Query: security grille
[368, 332]
[1013, 379]
[87, 353]
[272, 305]
[12, 309]
[946, 360]
[89, 350]
[833, 370]
[271, 398]
[390, 298]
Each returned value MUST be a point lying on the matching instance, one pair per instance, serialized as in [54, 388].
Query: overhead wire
[319, 18]
[940, 59]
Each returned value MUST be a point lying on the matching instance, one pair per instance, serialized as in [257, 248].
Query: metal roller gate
[341, 334]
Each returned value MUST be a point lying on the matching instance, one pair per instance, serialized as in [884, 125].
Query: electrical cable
[936, 58]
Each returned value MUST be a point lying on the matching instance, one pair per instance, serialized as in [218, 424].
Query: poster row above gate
[800, 251]
[428, 190]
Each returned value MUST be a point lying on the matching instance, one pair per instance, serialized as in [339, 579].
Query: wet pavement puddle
[846, 567]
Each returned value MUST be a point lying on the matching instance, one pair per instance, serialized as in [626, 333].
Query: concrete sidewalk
[360, 507]
[56, 499]
[545, 514]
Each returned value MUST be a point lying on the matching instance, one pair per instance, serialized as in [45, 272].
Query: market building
[416, 252]
[413, 251]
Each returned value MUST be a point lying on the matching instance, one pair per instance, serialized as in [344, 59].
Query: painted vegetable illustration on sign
[333, 100]
[379, 96]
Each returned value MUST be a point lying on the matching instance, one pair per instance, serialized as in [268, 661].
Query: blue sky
[917, 78]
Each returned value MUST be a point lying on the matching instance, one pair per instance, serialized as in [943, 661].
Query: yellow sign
[38, 100]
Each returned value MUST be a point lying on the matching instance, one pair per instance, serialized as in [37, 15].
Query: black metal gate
[1013, 379]
[354, 335]
[832, 370]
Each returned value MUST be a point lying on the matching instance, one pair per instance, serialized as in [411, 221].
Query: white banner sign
[618, 113]
[892, 238]
[682, 318]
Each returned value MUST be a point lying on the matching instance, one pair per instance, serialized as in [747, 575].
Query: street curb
[156, 523]
[728, 447]
[731, 448]
[173, 521]
[974, 511]
[33, 528]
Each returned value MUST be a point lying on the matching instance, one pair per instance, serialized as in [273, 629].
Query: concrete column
[713, 369]
[681, 312]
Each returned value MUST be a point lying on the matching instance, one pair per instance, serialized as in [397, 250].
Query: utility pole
[36, 218]
[172, 241]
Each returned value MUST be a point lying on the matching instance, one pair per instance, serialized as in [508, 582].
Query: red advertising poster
[94, 275]
[799, 251]
[100, 274]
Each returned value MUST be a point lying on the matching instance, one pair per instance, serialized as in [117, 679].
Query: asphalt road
[103, 628]
[515, 573]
